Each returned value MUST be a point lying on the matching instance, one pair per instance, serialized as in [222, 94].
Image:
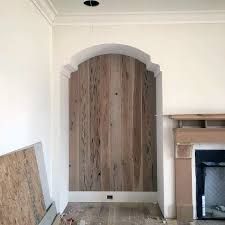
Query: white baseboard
[94, 196]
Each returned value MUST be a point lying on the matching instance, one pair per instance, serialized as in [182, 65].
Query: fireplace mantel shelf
[199, 120]
[198, 117]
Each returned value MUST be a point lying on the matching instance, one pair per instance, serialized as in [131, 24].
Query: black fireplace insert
[210, 184]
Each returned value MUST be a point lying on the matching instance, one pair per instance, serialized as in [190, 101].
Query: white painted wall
[25, 52]
[60, 132]
[191, 57]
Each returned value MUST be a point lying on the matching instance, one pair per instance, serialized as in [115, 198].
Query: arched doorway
[62, 121]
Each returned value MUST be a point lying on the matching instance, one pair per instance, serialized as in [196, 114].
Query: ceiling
[129, 6]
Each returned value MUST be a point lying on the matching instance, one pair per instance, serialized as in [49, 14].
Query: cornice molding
[50, 13]
[164, 17]
[47, 9]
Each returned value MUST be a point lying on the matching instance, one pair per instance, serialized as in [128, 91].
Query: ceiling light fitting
[91, 3]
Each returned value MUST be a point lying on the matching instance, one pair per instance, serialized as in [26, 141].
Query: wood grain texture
[128, 75]
[199, 135]
[198, 117]
[183, 184]
[115, 123]
[21, 197]
[94, 161]
[104, 122]
[137, 129]
[148, 131]
[74, 102]
[116, 148]
[84, 127]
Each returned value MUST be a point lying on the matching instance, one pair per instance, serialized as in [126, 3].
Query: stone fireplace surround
[186, 139]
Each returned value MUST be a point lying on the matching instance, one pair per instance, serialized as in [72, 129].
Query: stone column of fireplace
[183, 162]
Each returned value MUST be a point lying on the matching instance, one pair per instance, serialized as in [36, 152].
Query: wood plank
[115, 123]
[95, 116]
[137, 118]
[104, 122]
[128, 75]
[149, 132]
[199, 135]
[74, 104]
[21, 196]
[84, 127]
[198, 117]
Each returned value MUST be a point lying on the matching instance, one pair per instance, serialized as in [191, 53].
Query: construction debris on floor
[114, 214]
[208, 222]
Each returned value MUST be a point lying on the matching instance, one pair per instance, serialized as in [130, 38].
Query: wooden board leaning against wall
[21, 195]
[112, 126]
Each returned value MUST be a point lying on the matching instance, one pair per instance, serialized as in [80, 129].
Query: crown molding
[50, 13]
[47, 9]
[164, 17]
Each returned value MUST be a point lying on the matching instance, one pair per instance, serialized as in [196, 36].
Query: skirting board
[93, 196]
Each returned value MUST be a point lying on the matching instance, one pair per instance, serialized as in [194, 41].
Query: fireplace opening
[210, 184]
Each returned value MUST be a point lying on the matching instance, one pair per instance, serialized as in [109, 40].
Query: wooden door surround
[192, 129]
[113, 126]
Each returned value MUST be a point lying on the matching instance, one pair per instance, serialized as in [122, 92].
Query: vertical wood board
[74, 105]
[94, 160]
[84, 127]
[115, 123]
[104, 122]
[149, 132]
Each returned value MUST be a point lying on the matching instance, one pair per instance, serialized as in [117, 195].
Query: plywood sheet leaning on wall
[112, 126]
[21, 196]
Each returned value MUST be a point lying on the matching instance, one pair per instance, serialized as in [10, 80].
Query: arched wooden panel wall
[112, 126]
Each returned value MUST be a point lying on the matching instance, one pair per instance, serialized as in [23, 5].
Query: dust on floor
[114, 214]
[203, 222]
